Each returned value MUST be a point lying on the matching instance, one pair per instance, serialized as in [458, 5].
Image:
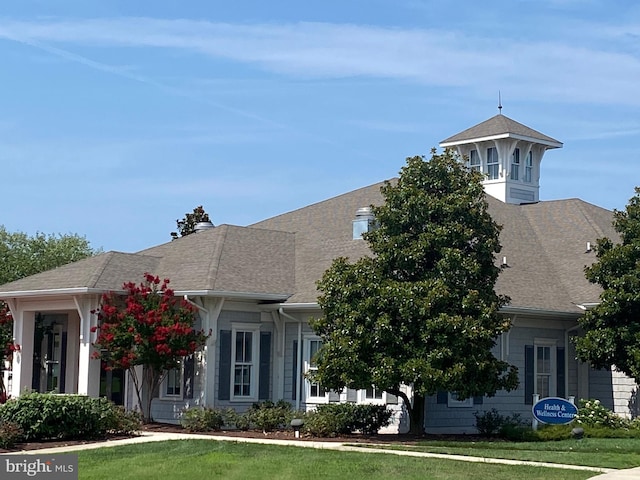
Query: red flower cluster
[147, 326]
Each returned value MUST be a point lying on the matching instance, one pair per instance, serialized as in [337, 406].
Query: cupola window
[492, 163]
[515, 165]
[363, 223]
[528, 167]
[474, 161]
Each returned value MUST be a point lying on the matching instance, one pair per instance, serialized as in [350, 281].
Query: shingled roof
[281, 258]
[500, 126]
[226, 260]
[544, 244]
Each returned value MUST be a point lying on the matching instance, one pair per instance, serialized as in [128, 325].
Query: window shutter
[560, 378]
[265, 365]
[188, 376]
[334, 396]
[294, 372]
[478, 400]
[528, 374]
[224, 375]
[442, 397]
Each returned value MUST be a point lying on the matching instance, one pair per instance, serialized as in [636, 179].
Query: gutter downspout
[298, 355]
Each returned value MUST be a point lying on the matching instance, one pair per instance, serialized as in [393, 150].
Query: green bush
[199, 419]
[44, 416]
[268, 416]
[592, 413]
[345, 418]
[10, 434]
[492, 422]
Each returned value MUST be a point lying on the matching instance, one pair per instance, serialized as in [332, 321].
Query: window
[492, 163]
[474, 161]
[372, 393]
[454, 402]
[315, 391]
[528, 167]
[543, 371]
[172, 384]
[515, 164]
[244, 368]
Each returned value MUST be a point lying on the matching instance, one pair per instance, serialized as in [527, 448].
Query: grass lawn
[207, 459]
[595, 452]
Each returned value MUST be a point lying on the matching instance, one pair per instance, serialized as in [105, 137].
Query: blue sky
[118, 117]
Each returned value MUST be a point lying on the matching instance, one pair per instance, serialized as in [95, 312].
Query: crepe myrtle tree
[147, 326]
[421, 310]
[612, 328]
[7, 345]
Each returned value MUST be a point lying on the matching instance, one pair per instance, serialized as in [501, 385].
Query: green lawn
[206, 459]
[595, 452]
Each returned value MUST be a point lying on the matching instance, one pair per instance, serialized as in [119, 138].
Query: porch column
[23, 330]
[88, 368]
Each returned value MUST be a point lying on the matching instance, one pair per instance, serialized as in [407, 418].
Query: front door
[50, 353]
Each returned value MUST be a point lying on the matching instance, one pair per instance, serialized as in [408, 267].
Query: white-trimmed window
[372, 395]
[528, 167]
[454, 402]
[172, 385]
[315, 393]
[244, 356]
[492, 163]
[545, 367]
[515, 165]
[474, 161]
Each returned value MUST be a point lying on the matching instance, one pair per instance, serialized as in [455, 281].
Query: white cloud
[553, 68]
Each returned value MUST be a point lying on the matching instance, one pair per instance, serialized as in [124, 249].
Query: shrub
[492, 422]
[592, 413]
[268, 416]
[198, 419]
[346, 418]
[10, 434]
[44, 416]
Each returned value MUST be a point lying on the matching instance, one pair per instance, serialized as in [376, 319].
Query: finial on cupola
[499, 103]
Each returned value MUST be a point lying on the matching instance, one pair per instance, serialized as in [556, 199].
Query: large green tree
[22, 255]
[613, 326]
[422, 310]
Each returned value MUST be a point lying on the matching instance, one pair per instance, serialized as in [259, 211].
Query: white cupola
[508, 153]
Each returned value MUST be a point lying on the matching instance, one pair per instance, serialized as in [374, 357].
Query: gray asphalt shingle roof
[285, 255]
[499, 126]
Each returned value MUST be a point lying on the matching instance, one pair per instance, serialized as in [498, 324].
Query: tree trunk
[415, 410]
[416, 418]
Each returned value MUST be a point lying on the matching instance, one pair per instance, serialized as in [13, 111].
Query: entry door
[50, 353]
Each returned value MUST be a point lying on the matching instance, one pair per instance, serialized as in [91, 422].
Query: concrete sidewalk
[146, 437]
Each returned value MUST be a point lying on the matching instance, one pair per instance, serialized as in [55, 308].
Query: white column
[23, 329]
[88, 368]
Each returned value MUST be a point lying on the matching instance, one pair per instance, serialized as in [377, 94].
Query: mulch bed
[400, 439]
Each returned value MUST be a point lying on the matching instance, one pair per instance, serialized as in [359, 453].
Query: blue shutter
[560, 378]
[265, 365]
[294, 372]
[224, 364]
[528, 374]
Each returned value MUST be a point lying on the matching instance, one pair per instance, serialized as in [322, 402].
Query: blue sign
[554, 411]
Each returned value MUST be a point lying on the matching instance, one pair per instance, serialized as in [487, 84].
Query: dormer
[508, 153]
